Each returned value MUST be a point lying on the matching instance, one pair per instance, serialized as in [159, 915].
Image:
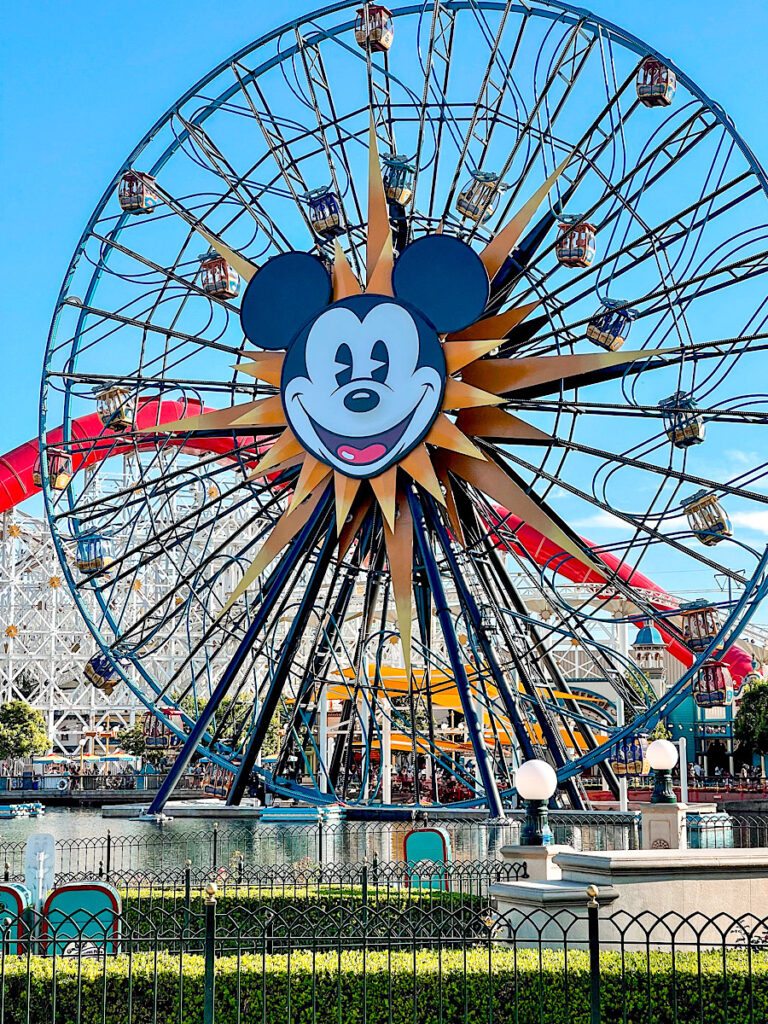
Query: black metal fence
[426, 959]
[159, 852]
[379, 880]
[727, 831]
[165, 849]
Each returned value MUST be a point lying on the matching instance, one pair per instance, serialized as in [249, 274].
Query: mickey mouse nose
[361, 400]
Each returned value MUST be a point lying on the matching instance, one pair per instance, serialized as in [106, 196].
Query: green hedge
[449, 988]
[333, 912]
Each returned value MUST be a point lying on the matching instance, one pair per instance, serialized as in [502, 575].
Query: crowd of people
[748, 778]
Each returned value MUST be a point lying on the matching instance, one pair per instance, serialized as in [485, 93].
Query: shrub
[430, 986]
[308, 915]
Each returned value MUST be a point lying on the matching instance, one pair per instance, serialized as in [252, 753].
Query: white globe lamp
[535, 782]
[662, 757]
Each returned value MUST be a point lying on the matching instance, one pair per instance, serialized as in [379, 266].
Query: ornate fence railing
[421, 959]
[158, 852]
[323, 842]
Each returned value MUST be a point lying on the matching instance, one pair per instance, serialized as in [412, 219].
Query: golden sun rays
[457, 445]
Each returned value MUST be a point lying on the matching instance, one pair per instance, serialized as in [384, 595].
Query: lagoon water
[81, 836]
[137, 846]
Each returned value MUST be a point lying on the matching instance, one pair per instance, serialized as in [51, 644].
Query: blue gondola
[609, 328]
[479, 198]
[700, 624]
[707, 518]
[325, 212]
[630, 755]
[398, 178]
[94, 553]
[101, 673]
[683, 423]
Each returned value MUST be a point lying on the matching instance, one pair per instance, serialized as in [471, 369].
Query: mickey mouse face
[363, 378]
[363, 383]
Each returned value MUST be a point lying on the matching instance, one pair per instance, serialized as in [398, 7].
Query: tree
[22, 731]
[751, 723]
[235, 716]
[660, 731]
[133, 742]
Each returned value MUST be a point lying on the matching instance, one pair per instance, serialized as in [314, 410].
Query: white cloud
[743, 458]
[757, 521]
[600, 520]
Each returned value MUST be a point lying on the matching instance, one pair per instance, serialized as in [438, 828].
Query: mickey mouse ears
[444, 279]
[440, 276]
[282, 296]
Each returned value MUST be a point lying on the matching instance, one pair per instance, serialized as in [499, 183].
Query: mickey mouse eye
[380, 354]
[344, 359]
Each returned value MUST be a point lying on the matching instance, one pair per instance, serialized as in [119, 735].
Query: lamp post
[535, 782]
[662, 757]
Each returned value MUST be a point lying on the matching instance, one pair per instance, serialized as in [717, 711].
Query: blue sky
[84, 81]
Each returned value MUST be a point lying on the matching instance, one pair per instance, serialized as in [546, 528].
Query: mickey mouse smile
[362, 450]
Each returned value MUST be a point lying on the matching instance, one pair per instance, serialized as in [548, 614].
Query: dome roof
[649, 636]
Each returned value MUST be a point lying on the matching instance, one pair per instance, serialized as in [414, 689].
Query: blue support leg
[275, 588]
[468, 600]
[443, 613]
[284, 665]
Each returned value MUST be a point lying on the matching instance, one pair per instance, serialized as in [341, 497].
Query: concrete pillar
[539, 861]
[663, 826]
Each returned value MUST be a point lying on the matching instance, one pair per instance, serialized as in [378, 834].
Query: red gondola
[157, 735]
[577, 242]
[136, 193]
[217, 277]
[59, 465]
[656, 83]
[374, 28]
[713, 686]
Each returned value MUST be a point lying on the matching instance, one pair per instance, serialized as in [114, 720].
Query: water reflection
[138, 846]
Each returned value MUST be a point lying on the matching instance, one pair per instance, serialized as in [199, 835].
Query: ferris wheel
[378, 325]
